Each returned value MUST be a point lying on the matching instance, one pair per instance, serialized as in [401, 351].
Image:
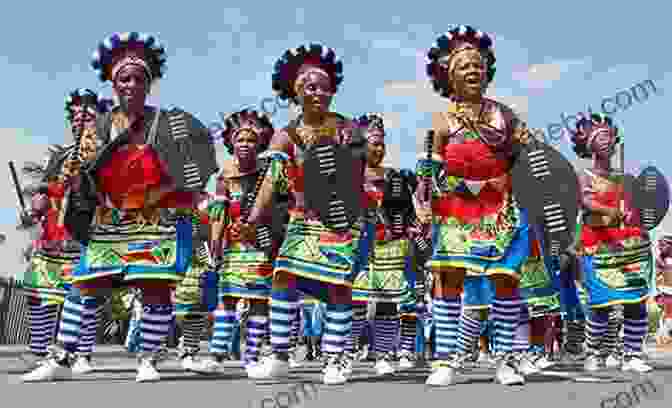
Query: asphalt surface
[113, 385]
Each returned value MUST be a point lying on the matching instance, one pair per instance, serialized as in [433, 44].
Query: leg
[448, 284]
[612, 339]
[59, 362]
[155, 323]
[338, 324]
[43, 321]
[284, 300]
[506, 309]
[193, 327]
[598, 325]
[386, 329]
[257, 329]
[635, 327]
[87, 341]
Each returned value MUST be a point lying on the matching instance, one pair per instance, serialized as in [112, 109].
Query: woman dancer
[385, 278]
[614, 247]
[55, 255]
[478, 226]
[664, 289]
[152, 164]
[191, 294]
[245, 268]
[318, 152]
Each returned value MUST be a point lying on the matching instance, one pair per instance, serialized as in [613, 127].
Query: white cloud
[542, 76]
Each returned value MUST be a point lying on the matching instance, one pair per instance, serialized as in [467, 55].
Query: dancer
[191, 294]
[245, 265]
[614, 247]
[478, 226]
[385, 277]
[55, 254]
[539, 284]
[152, 164]
[319, 159]
[664, 289]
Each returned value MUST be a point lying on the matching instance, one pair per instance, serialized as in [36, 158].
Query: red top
[135, 170]
[474, 160]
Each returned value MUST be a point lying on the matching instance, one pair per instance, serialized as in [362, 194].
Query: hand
[248, 232]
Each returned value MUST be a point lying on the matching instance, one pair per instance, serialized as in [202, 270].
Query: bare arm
[275, 172]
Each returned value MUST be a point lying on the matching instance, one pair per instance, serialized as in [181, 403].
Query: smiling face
[131, 84]
[314, 90]
[467, 73]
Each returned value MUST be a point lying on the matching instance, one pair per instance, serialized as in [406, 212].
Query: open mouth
[473, 80]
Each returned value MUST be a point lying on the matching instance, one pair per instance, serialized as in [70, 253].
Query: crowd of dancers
[491, 243]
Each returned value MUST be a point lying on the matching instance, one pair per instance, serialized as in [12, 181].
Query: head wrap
[372, 121]
[83, 96]
[586, 130]
[451, 43]
[296, 63]
[121, 50]
[245, 119]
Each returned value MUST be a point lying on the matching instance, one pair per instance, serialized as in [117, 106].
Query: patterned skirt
[539, 288]
[246, 273]
[460, 245]
[189, 294]
[384, 273]
[314, 252]
[49, 275]
[617, 272]
[134, 249]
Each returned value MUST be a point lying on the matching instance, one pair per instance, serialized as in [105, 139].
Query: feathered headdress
[449, 44]
[83, 96]
[288, 67]
[227, 132]
[582, 137]
[123, 49]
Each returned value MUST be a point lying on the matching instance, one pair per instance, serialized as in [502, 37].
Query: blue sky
[553, 57]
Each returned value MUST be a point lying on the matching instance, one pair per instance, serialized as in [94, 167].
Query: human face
[245, 145]
[376, 147]
[315, 92]
[82, 118]
[132, 87]
[603, 141]
[468, 74]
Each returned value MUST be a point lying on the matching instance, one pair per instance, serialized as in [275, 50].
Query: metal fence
[13, 314]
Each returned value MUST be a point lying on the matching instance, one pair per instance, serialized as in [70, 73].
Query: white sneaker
[48, 371]
[383, 367]
[82, 366]
[147, 372]
[405, 363]
[293, 363]
[187, 362]
[32, 361]
[442, 377]
[485, 359]
[543, 363]
[347, 367]
[334, 374]
[636, 364]
[613, 361]
[269, 367]
[207, 366]
[592, 364]
[507, 374]
[528, 366]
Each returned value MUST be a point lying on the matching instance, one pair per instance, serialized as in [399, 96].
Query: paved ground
[113, 385]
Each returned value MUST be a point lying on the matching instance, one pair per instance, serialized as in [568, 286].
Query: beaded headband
[121, 49]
